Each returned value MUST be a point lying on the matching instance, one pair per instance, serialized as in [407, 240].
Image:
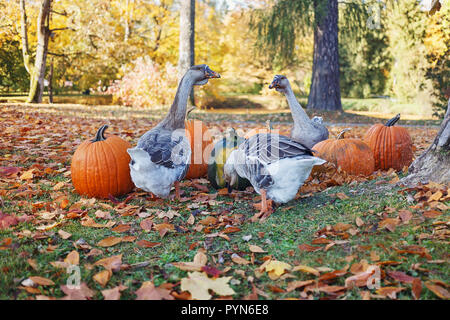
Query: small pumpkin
[100, 167]
[391, 145]
[352, 155]
[219, 156]
[201, 144]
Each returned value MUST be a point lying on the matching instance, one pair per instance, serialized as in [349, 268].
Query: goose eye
[132, 162]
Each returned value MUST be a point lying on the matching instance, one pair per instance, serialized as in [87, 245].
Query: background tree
[187, 38]
[37, 72]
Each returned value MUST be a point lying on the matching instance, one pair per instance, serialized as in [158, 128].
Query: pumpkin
[351, 155]
[201, 144]
[392, 146]
[100, 167]
[219, 156]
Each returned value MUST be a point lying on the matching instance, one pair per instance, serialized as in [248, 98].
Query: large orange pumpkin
[100, 167]
[352, 155]
[392, 146]
[201, 145]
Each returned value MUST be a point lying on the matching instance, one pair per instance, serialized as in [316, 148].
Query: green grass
[281, 239]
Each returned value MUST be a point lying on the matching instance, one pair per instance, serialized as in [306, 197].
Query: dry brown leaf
[42, 281]
[256, 249]
[109, 242]
[72, 258]
[103, 277]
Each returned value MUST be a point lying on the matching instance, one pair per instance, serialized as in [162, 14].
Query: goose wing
[268, 148]
[166, 148]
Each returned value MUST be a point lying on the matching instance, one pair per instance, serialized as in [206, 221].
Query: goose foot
[266, 208]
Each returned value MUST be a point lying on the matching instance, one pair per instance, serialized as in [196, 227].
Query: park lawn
[39, 140]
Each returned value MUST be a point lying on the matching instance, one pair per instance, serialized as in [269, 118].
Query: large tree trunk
[325, 92]
[38, 72]
[187, 37]
[434, 163]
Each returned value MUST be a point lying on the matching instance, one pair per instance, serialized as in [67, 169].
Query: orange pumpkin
[352, 155]
[392, 146]
[100, 167]
[201, 146]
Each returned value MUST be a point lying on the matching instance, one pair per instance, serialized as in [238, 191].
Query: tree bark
[434, 163]
[38, 72]
[50, 82]
[24, 36]
[187, 38]
[325, 92]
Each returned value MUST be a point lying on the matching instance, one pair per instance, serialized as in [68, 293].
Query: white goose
[275, 165]
[161, 157]
[306, 131]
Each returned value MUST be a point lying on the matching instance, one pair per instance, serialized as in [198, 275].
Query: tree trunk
[187, 36]
[434, 163]
[38, 72]
[50, 82]
[24, 36]
[325, 92]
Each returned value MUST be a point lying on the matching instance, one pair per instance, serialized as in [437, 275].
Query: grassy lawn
[345, 224]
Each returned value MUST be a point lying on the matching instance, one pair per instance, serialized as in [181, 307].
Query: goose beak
[274, 84]
[212, 74]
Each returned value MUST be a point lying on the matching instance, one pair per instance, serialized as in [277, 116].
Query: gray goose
[275, 165]
[307, 131]
[161, 157]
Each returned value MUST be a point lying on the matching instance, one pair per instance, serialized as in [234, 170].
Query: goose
[275, 165]
[161, 157]
[307, 131]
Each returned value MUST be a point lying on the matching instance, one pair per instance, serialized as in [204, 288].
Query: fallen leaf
[113, 263]
[306, 269]
[148, 291]
[389, 292]
[109, 242]
[103, 277]
[63, 234]
[42, 281]
[82, 292]
[255, 249]
[438, 290]
[114, 293]
[198, 285]
[239, 260]
[147, 244]
[72, 258]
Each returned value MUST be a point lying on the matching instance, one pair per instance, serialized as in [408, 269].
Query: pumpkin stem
[190, 110]
[341, 135]
[100, 134]
[393, 121]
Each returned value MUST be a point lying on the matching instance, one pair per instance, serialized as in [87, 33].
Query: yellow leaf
[200, 261]
[58, 186]
[277, 267]
[198, 284]
[27, 175]
[306, 269]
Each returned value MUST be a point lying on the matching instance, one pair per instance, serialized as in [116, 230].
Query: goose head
[202, 73]
[280, 83]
